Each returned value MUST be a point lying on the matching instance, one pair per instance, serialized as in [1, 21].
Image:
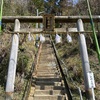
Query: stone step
[46, 68]
[47, 75]
[48, 65]
[50, 72]
[47, 46]
[46, 87]
[49, 92]
[2, 98]
[47, 50]
[47, 53]
[46, 60]
[32, 91]
[49, 60]
[43, 60]
[30, 98]
[47, 56]
[47, 83]
[35, 76]
[48, 79]
[50, 68]
[49, 97]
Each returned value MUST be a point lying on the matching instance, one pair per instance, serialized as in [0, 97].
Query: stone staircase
[48, 83]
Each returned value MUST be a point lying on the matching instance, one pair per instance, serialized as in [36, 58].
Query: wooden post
[12, 63]
[85, 59]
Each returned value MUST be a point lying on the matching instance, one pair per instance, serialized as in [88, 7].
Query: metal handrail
[33, 68]
[62, 73]
[81, 98]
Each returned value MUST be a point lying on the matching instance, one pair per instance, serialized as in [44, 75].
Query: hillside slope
[70, 55]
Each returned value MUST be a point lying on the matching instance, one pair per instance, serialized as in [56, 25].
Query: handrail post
[85, 59]
[12, 63]
[81, 98]
[1, 10]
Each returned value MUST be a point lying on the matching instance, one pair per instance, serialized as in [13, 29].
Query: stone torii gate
[49, 28]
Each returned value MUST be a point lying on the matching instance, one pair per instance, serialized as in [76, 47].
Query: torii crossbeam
[39, 19]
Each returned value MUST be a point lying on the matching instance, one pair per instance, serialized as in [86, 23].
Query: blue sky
[75, 1]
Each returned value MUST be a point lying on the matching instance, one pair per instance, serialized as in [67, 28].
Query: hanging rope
[94, 31]
[1, 14]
